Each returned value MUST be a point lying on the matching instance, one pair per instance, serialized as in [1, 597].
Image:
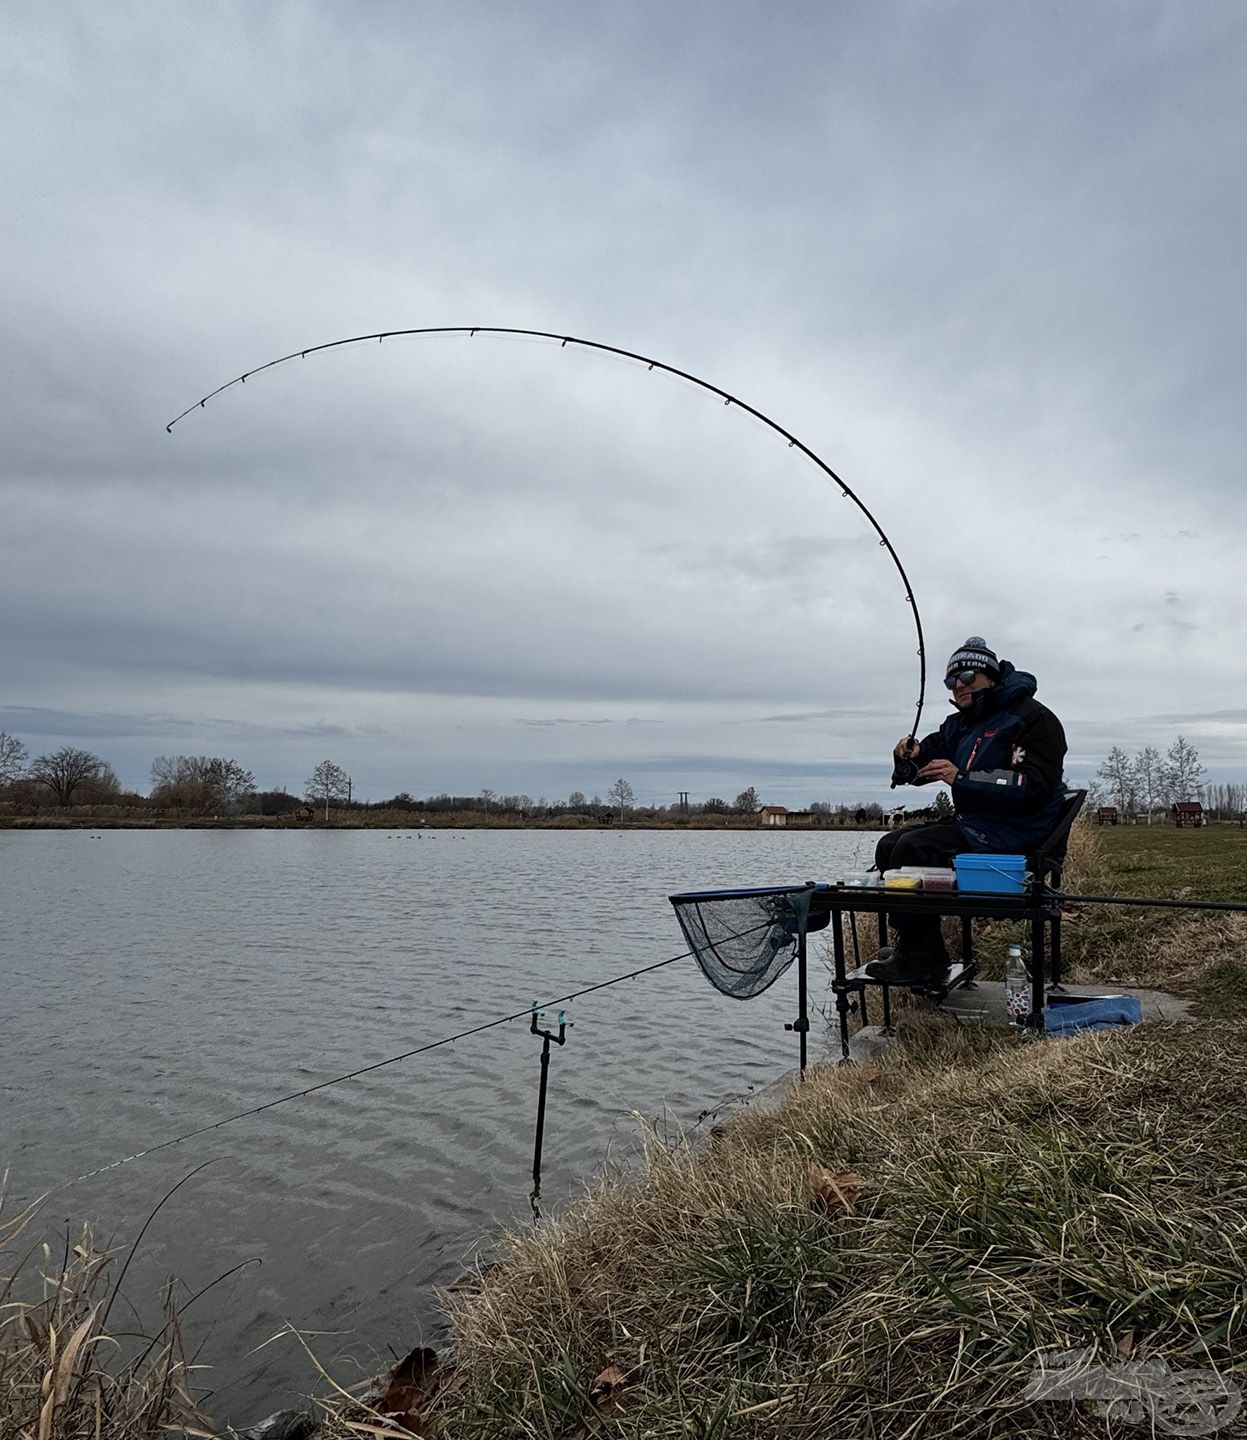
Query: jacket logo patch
[1019, 754]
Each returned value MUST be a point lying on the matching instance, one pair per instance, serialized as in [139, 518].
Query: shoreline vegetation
[97, 819]
[114, 817]
[889, 1250]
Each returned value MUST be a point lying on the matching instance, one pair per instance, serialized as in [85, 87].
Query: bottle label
[1017, 1003]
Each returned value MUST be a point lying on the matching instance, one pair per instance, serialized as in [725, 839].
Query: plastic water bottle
[1017, 986]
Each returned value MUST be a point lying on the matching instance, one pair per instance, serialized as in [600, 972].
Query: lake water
[158, 981]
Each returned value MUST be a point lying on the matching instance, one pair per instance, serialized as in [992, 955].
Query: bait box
[929, 877]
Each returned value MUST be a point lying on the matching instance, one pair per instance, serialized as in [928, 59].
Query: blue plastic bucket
[993, 874]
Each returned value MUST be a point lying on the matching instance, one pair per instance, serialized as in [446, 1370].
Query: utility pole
[683, 802]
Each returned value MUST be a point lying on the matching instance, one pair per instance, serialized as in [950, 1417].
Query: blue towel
[1068, 1014]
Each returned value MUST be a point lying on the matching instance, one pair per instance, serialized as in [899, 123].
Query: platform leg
[1054, 929]
[967, 948]
[840, 985]
[1039, 961]
[803, 1015]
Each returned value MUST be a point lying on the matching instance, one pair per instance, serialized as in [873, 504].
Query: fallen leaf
[405, 1391]
[1125, 1345]
[835, 1194]
[607, 1389]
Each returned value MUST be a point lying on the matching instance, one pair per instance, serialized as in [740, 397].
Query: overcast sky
[985, 259]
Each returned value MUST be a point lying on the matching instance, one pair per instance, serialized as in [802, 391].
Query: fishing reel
[904, 771]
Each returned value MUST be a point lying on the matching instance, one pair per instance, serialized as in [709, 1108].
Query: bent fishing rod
[650, 364]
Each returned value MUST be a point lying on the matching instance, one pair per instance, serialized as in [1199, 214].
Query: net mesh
[744, 940]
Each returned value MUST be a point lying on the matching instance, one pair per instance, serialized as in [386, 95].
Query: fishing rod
[566, 340]
[1231, 906]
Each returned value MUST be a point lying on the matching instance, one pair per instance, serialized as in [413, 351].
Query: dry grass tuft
[62, 1374]
[1084, 857]
[887, 1253]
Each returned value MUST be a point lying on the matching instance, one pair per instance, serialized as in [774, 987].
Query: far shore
[50, 820]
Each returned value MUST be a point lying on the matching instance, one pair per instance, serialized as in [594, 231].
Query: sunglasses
[961, 677]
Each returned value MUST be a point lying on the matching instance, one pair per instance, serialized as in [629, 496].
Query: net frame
[745, 938]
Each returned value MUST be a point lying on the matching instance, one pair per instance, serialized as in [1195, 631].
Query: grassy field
[1188, 953]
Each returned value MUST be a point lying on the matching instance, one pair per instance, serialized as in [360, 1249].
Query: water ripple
[182, 976]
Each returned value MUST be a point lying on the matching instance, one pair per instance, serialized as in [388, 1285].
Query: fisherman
[1001, 754]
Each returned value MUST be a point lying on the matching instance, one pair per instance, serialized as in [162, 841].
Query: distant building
[1187, 812]
[772, 816]
[1107, 815]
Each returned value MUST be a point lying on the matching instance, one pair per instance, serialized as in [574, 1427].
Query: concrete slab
[985, 1002]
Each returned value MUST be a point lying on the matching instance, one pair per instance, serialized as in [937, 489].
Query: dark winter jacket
[1009, 751]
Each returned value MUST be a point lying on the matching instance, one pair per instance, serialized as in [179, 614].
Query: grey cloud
[110, 725]
[936, 243]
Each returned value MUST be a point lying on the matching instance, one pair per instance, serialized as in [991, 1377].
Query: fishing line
[380, 1065]
[618, 353]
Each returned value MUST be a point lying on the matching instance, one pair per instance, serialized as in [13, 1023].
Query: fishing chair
[1044, 864]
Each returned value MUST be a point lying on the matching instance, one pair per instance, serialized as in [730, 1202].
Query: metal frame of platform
[1038, 906]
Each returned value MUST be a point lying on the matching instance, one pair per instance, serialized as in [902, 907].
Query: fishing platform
[745, 939]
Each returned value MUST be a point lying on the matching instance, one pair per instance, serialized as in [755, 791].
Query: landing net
[744, 940]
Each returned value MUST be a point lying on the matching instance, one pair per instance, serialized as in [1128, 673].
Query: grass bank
[886, 1254]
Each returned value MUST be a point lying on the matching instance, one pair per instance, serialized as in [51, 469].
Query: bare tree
[487, 799]
[621, 794]
[208, 782]
[1182, 770]
[1147, 777]
[1117, 772]
[12, 758]
[327, 782]
[68, 770]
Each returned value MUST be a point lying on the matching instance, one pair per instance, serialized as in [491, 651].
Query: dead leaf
[608, 1389]
[407, 1389]
[835, 1194]
[1125, 1345]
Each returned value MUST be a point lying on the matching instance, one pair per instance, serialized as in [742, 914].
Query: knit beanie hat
[974, 655]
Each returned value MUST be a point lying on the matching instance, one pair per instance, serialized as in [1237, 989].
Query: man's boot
[911, 962]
